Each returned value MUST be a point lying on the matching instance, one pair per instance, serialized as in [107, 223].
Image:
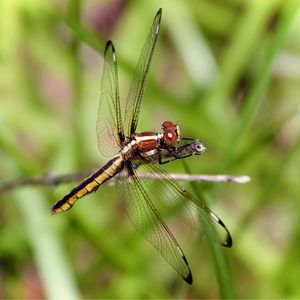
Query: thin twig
[211, 178]
[53, 180]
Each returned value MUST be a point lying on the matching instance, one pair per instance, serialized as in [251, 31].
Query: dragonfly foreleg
[195, 147]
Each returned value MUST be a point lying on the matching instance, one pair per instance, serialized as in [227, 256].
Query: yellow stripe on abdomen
[89, 184]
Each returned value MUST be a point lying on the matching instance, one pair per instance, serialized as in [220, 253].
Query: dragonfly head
[171, 133]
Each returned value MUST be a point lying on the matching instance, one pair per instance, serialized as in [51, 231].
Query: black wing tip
[108, 44]
[188, 279]
[228, 243]
[158, 15]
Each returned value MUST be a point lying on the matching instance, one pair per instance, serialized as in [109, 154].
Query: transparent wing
[168, 195]
[136, 91]
[110, 132]
[147, 220]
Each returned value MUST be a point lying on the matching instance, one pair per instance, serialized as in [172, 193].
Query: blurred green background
[227, 71]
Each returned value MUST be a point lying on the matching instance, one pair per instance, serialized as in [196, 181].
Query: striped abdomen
[89, 184]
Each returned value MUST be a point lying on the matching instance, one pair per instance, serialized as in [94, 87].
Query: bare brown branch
[53, 180]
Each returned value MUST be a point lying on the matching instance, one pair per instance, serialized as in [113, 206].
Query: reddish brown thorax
[171, 133]
[146, 140]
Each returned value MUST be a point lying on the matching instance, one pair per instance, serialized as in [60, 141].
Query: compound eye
[170, 137]
[167, 124]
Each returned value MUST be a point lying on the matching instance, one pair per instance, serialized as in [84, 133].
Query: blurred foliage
[228, 71]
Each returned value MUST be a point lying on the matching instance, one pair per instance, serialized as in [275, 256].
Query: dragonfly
[132, 154]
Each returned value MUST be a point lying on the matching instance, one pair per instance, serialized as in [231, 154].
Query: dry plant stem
[53, 180]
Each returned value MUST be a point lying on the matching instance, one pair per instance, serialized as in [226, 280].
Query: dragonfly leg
[187, 139]
[191, 148]
[174, 156]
